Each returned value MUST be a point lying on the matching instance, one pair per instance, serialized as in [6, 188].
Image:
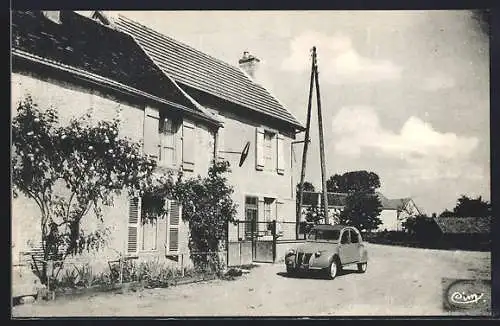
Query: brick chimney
[249, 63]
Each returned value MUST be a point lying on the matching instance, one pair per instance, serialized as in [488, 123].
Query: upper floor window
[269, 152]
[167, 148]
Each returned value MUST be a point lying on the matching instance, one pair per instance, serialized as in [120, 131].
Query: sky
[404, 94]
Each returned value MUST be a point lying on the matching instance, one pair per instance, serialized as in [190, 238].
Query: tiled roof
[464, 225]
[195, 69]
[81, 43]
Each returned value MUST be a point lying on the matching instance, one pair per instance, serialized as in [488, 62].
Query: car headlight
[317, 254]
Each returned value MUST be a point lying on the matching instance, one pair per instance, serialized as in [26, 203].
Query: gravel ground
[399, 281]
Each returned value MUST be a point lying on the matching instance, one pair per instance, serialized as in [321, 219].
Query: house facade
[257, 130]
[77, 66]
[186, 107]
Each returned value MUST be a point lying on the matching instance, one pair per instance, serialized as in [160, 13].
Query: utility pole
[314, 77]
[304, 152]
[321, 140]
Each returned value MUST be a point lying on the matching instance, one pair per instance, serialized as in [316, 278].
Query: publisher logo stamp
[467, 296]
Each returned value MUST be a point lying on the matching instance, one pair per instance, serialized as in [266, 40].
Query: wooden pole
[321, 140]
[304, 152]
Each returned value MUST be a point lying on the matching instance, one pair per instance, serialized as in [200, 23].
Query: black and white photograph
[250, 163]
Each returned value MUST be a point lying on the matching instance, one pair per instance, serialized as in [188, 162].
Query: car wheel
[333, 269]
[362, 267]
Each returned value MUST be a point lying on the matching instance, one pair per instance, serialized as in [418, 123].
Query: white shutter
[173, 227]
[188, 146]
[280, 154]
[259, 149]
[151, 132]
[134, 219]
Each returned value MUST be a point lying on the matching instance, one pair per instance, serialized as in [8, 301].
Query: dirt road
[399, 281]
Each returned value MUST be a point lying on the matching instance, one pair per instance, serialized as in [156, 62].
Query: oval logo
[467, 295]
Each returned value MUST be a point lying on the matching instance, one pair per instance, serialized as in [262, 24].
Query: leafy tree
[472, 207]
[208, 208]
[308, 186]
[362, 210]
[362, 206]
[355, 181]
[70, 171]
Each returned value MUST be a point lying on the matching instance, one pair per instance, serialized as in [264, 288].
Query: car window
[318, 234]
[354, 236]
[345, 237]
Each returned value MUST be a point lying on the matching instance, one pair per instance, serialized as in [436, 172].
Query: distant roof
[339, 200]
[205, 73]
[464, 225]
[81, 43]
[392, 204]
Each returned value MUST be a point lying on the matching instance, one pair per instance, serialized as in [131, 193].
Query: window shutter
[173, 244]
[133, 226]
[259, 149]
[280, 155]
[188, 146]
[173, 227]
[151, 132]
[174, 213]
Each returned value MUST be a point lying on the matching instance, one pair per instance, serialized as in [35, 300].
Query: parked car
[328, 248]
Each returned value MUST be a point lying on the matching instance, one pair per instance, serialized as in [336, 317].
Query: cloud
[338, 60]
[418, 151]
[437, 82]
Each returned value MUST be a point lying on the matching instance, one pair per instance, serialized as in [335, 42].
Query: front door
[355, 245]
[347, 251]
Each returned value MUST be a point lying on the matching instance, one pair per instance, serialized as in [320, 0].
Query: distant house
[394, 211]
[465, 232]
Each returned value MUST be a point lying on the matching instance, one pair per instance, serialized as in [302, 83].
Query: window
[141, 236]
[268, 209]
[345, 237]
[251, 214]
[318, 234]
[149, 235]
[168, 133]
[354, 236]
[269, 156]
